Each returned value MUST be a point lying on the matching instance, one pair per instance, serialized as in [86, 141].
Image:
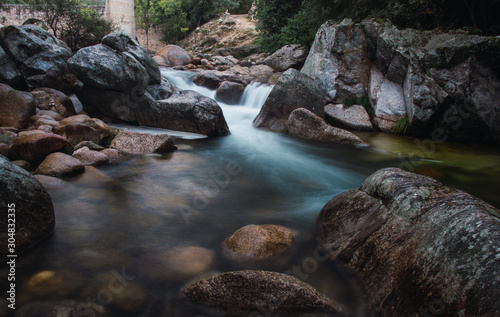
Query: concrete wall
[122, 13]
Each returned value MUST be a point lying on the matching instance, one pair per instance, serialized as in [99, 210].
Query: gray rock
[305, 124]
[354, 117]
[34, 212]
[289, 56]
[161, 91]
[339, 61]
[242, 293]
[123, 43]
[16, 107]
[59, 164]
[292, 91]
[39, 56]
[10, 74]
[229, 92]
[417, 244]
[186, 111]
[142, 143]
[212, 78]
[261, 74]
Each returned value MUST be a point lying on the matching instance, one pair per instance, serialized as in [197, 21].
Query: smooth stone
[91, 158]
[142, 143]
[59, 165]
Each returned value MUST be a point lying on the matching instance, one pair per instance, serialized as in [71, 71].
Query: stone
[4, 149]
[354, 117]
[339, 60]
[89, 145]
[186, 111]
[32, 205]
[415, 242]
[41, 121]
[10, 74]
[112, 154]
[305, 124]
[39, 56]
[289, 56]
[142, 143]
[16, 107]
[78, 132]
[49, 113]
[390, 104]
[177, 264]
[91, 158]
[242, 293]
[53, 100]
[35, 146]
[54, 284]
[261, 74]
[160, 60]
[292, 91]
[124, 44]
[229, 92]
[161, 91]
[61, 308]
[212, 78]
[49, 182]
[174, 55]
[259, 244]
[25, 165]
[60, 165]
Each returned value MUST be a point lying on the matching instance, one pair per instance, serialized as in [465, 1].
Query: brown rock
[174, 55]
[16, 107]
[54, 115]
[101, 127]
[54, 100]
[91, 158]
[34, 146]
[78, 132]
[4, 149]
[49, 182]
[59, 165]
[142, 143]
[112, 154]
[25, 165]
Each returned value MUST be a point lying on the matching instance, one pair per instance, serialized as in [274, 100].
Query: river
[109, 220]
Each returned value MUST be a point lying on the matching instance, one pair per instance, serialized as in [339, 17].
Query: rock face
[174, 55]
[305, 124]
[289, 56]
[262, 244]
[417, 244]
[441, 82]
[187, 111]
[142, 143]
[34, 146]
[33, 207]
[352, 118]
[250, 292]
[15, 107]
[292, 91]
[39, 56]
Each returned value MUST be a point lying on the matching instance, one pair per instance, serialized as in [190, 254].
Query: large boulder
[173, 55]
[292, 91]
[289, 56]
[142, 143]
[354, 117]
[35, 146]
[212, 78]
[340, 61]
[186, 111]
[305, 124]
[10, 74]
[229, 92]
[418, 245]
[16, 107]
[39, 56]
[24, 197]
[243, 293]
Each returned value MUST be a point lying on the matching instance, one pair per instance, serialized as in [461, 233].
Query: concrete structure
[122, 13]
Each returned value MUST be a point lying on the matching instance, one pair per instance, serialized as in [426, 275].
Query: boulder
[39, 56]
[186, 111]
[78, 132]
[16, 107]
[91, 158]
[89, 145]
[229, 92]
[174, 55]
[49, 113]
[112, 154]
[142, 143]
[59, 164]
[212, 78]
[243, 293]
[36, 145]
[417, 245]
[340, 61]
[25, 165]
[49, 182]
[261, 74]
[354, 117]
[124, 44]
[259, 244]
[53, 100]
[292, 91]
[289, 56]
[62, 308]
[4, 149]
[177, 264]
[305, 124]
[10, 74]
[31, 204]
[161, 91]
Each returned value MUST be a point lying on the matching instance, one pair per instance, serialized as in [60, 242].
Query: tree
[147, 16]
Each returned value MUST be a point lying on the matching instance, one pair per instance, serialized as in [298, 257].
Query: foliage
[402, 125]
[363, 101]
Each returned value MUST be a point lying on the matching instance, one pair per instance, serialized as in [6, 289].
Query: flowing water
[111, 220]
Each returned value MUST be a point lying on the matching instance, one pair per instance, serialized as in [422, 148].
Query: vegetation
[402, 125]
[296, 21]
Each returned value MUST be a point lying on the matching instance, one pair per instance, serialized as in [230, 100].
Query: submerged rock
[259, 292]
[142, 143]
[62, 308]
[32, 205]
[417, 245]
